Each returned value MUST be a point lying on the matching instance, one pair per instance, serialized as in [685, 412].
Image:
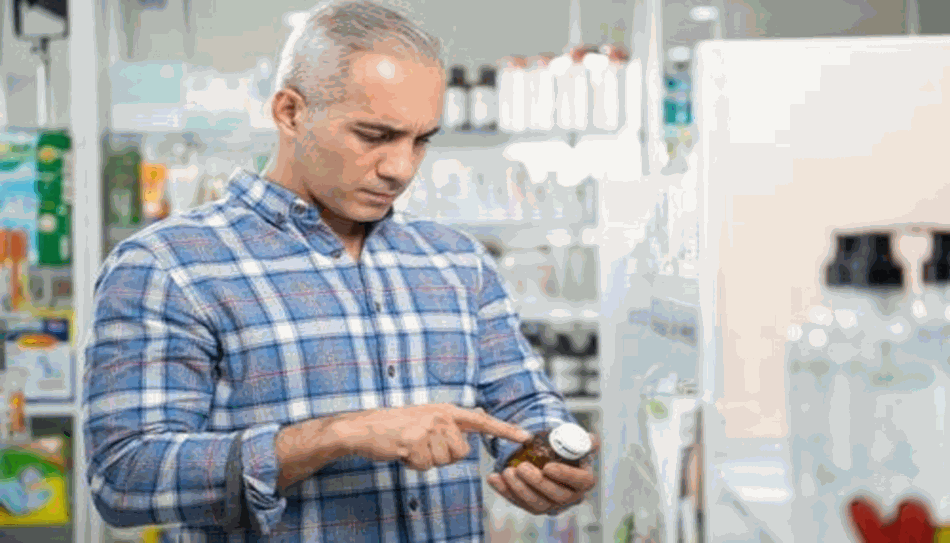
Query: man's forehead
[383, 67]
[403, 94]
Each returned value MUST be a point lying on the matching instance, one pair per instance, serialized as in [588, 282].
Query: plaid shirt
[215, 329]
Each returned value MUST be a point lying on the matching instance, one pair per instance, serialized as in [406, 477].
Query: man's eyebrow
[378, 126]
[392, 130]
[432, 132]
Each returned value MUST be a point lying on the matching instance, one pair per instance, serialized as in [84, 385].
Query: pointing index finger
[478, 421]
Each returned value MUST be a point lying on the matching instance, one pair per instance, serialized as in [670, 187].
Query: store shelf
[561, 316]
[583, 404]
[499, 139]
[49, 409]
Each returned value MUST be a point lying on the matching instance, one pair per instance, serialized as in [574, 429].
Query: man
[296, 362]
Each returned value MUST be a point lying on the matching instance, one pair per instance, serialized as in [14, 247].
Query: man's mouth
[380, 197]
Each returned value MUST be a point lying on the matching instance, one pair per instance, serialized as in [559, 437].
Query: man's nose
[399, 163]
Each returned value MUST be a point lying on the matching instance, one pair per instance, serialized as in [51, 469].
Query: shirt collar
[277, 204]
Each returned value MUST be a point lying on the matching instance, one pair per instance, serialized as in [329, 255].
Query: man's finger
[420, 459]
[595, 443]
[535, 501]
[439, 449]
[498, 483]
[458, 443]
[547, 488]
[474, 421]
[581, 480]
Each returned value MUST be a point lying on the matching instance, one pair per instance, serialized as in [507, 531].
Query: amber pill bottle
[568, 444]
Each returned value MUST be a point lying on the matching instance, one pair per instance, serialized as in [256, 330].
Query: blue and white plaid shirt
[215, 329]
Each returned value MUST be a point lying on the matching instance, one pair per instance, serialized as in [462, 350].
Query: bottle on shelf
[6, 273]
[18, 253]
[485, 100]
[183, 185]
[516, 187]
[457, 101]
[122, 194]
[884, 272]
[580, 276]
[543, 205]
[541, 93]
[511, 94]
[155, 201]
[677, 104]
[608, 89]
[596, 64]
[13, 427]
[572, 90]
[937, 266]
[691, 517]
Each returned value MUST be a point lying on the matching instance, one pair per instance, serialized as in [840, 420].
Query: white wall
[232, 35]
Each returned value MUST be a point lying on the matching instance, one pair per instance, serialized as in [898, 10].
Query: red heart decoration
[912, 523]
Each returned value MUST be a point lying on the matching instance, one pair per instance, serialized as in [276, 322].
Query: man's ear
[288, 108]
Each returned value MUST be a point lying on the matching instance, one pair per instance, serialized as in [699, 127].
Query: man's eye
[374, 137]
[424, 141]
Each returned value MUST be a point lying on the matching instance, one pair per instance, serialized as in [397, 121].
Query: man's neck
[352, 234]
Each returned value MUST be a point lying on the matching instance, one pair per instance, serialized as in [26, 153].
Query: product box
[34, 483]
[41, 347]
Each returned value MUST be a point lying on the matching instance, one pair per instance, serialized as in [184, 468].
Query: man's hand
[551, 490]
[422, 437]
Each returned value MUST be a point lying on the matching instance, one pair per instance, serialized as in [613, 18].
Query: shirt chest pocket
[450, 358]
[441, 333]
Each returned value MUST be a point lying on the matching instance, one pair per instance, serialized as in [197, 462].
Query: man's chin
[370, 214]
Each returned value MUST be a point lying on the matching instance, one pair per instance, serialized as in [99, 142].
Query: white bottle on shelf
[518, 183]
[511, 94]
[456, 115]
[572, 89]
[607, 86]
[541, 90]
[596, 65]
[485, 101]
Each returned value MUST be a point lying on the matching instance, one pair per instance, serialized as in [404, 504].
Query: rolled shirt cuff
[251, 500]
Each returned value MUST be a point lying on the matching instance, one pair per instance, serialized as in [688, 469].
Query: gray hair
[316, 58]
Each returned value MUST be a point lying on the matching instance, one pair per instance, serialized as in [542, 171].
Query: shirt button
[336, 254]
[392, 371]
[299, 208]
[379, 306]
[413, 504]
[279, 219]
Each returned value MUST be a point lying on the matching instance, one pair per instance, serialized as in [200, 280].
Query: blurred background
[624, 161]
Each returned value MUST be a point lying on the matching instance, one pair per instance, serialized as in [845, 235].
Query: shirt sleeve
[512, 384]
[149, 380]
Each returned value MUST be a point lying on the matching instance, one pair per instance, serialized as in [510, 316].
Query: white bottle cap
[570, 441]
